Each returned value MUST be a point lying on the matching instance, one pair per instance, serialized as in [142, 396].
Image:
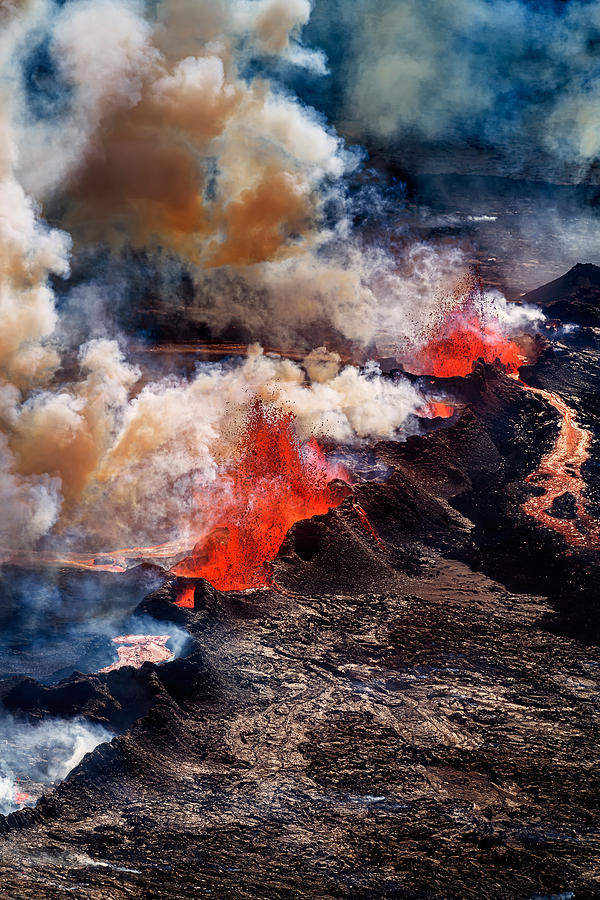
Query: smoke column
[161, 131]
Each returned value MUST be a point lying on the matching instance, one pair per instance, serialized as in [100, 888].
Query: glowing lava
[186, 598]
[140, 648]
[467, 330]
[436, 410]
[274, 482]
[559, 473]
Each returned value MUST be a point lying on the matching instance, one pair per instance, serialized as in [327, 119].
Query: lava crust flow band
[559, 473]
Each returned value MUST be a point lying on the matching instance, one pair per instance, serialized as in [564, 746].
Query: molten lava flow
[366, 523]
[560, 473]
[21, 797]
[140, 648]
[467, 330]
[274, 482]
[435, 410]
[186, 598]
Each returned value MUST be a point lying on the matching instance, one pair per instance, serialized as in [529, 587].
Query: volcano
[572, 298]
[394, 698]
[300, 532]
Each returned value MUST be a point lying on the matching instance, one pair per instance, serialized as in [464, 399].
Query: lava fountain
[467, 329]
[274, 482]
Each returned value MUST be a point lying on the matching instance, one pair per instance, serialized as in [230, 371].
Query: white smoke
[510, 318]
[177, 436]
[37, 756]
[164, 140]
[520, 76]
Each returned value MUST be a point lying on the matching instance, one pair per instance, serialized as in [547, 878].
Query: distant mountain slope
[574, 297]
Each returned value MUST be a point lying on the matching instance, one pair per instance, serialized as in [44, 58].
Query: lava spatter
[275, 481]
[466, 329]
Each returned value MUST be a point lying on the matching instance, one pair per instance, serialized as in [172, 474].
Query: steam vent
[299, 450]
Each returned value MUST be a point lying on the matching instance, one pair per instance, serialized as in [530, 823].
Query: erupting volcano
[298, 579]
[275, 481]
[465, 329]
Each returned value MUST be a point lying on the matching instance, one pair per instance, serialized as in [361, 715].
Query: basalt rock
[386, 719]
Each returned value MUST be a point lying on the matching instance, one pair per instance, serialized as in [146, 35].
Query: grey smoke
[37, 756]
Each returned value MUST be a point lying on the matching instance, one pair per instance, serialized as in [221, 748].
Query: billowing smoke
[37, 756]
[166, 135]
[174, 438]
[516, 76]
[158, 131]
[162, 138]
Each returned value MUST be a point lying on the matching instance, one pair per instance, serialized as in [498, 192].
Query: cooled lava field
[409, 709]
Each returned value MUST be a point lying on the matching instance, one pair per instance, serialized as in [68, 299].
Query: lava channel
[559, 473]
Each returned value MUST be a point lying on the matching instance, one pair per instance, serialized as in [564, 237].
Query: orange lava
[274, 482]
[468, 341]
[559, 472]
[186, 599]
[21, 797]
[138, 649]
[366, 523]
[435, 410]
[465, 332]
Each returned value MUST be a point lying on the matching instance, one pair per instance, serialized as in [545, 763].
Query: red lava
[465, 332]
[186, 599]
[274, 482]
[366, 523]
[140, 648]
[559, 472]
[21, 797]
[435, 410]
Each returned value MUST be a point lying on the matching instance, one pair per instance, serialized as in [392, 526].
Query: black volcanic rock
[406, 743]
[574, 297]
[385, 720]
[564, 507]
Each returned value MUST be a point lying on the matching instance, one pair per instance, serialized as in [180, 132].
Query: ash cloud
[162, 471]
[167, 139]
[164, 141]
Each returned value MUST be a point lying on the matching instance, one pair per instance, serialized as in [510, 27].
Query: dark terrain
[409, 713]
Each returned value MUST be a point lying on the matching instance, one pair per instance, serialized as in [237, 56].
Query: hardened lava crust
[408, 711]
